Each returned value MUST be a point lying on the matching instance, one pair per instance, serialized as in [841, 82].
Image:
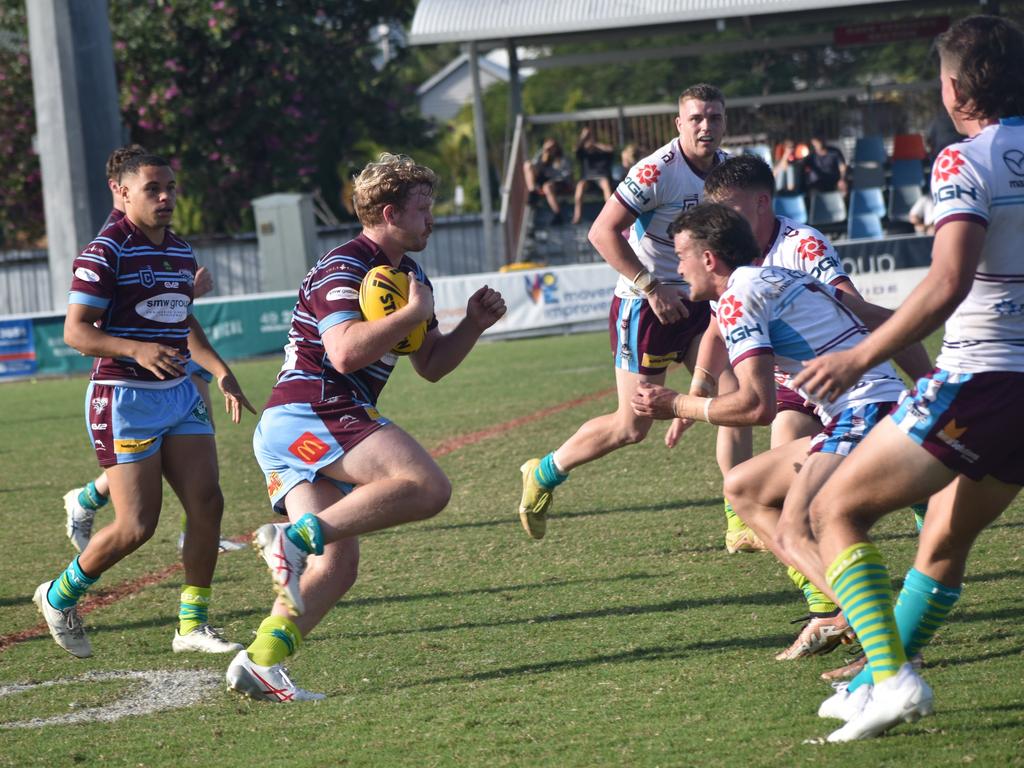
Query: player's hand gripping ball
[385, 290]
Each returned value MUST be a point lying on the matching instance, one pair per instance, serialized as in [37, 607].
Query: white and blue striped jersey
[791, 315]
[981, 179]
[656, 190]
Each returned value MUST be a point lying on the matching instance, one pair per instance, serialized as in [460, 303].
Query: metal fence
[456, 247]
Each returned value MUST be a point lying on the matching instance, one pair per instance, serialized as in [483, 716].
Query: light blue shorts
[294, 441]
[127, 424]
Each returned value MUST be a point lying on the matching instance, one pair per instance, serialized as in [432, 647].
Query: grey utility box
[286, 232]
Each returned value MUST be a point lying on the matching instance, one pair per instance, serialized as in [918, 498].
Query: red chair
[908, 146]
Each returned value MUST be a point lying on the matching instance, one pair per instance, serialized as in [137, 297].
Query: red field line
[108, 597]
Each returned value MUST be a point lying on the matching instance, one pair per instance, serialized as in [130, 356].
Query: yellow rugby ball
[385, 290]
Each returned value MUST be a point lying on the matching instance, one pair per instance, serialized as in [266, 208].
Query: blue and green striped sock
[548, 475]
[68, 588]
[921, 609]
[193, 608]
[90, 498]
[817, 601]
[276, 639]
[305, 534]
[861, 582]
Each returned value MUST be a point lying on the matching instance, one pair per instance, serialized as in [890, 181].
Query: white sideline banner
[546, 297]
[550, 297]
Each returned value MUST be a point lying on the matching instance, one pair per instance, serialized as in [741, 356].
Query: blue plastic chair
[901, 200]
[791, 206]
[870, 149]
[864, 225]
[907, 173]
[869, 200]
[826, 208]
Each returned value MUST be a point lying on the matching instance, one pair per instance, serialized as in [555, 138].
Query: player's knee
[736, 485]
[135, 533]
[433, 493]
[632, 433]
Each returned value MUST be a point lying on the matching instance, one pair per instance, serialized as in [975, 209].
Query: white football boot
[65, 626]
[903, 698]
[204, 639]
[265, 683]
[79, 520]
[844, 705]
[285, 561]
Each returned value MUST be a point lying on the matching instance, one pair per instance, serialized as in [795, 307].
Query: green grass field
[628, 637]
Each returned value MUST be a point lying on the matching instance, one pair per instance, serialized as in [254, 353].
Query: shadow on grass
[652, 653]
[510, 519]
[673, 606]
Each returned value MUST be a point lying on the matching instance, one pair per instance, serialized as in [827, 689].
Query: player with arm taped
[746, 184]
[651, 323]
[130, 308]
[81, 504]
[956, 437]
[771, 319]
[332, 463]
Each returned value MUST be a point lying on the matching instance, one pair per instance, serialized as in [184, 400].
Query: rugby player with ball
[332, 463]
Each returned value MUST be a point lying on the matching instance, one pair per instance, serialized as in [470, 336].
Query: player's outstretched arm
[752, 404]
[442, 353]
[205, 355]
[955, 257]
[80, 333]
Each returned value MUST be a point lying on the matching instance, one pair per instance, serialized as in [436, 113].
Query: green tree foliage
[21, 195]
[255, 96]
[245, 97]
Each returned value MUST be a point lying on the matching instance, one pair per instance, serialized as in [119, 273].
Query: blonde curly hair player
[333, 464]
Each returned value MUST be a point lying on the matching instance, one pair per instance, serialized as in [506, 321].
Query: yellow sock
[192, 611]
[276, 639]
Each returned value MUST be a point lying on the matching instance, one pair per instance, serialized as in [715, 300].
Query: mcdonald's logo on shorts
[309, 448]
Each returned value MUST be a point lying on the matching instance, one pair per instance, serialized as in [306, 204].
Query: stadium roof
[463, 21]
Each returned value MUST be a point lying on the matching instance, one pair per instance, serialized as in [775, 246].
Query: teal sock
[90, 498]
[548, 474]
[66, 590]
[921, 609]
[305, 534]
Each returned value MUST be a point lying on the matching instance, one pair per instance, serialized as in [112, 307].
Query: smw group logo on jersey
[542, 288]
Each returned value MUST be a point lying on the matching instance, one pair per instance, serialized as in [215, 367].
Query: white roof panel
[463, 21]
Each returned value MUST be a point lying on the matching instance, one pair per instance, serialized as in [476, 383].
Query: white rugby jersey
[655, 191]
[982, 179]
[788, 313]
[805, 249]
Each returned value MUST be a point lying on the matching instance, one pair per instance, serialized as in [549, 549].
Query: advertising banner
[17, 348]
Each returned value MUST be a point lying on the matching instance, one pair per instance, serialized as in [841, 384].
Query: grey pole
[78, 123]
[481, 161]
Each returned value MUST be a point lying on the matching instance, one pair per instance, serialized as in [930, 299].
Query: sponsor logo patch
[274, 485]
[147, 278]
[165, 308]
[658, 361]
[87, 275]
[811, 248]
[133, 446]
[947, 165]
[730, 309]
[99, 404]
[308, 448]
[337, 294]
[648, 174]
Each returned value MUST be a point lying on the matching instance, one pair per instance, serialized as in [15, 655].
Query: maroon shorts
[641, 344]
[971, 422]
[788, 400]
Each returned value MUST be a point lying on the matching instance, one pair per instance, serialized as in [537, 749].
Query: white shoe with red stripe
[265, 683]
[285, 561]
